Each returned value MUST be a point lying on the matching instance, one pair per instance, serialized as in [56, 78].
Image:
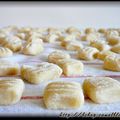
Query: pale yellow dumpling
[100, 45]
[13, 43]
[57, 55]
[102, 30]
[5, 52]
[41, 72]
[11, 90]
[32, 48]
[72, 45]
[90, 30]
[91, 37]
[113, 40]
[72, 30]
[71, 67]
[112, 63]
[102, 89]
[70, 37]
[9, 68]
[87, 53]
[111, 32]
[63, 95]
[116, 48]
[51, 38]
[103, 54]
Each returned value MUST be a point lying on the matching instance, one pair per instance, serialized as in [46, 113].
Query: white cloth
[33, 104]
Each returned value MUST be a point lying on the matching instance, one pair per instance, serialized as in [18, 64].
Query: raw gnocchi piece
[34, 35]
[91, 37]
[90, 30]
[102, 30]
[71, 67]
[111, 33]
[116, 48]
[36, 40]
[26, 29]
[112, 62]
[22, 36]
[114, 40]
[72, 45]
[41, 72]
[13, 43]
[102, 89]
[57, 55]
[72, 30]
[11, 90]
[63, 95]
[54, 31]
[88, 53]
[100, 45]
[9, 68]
[5, 52]
[103, 54]
[2, 37]
[9, 30]
[39, 30]
[32, 48]
[70, 37]
[75, 31]
[51, 38]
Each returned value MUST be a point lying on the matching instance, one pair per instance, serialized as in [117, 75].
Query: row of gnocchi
[13, 38]
[10, 44]
[64, 95]
[60, 95]
[72, 67]
[99, 45]
[59, 62]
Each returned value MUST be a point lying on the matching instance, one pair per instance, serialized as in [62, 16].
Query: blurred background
[60, 14]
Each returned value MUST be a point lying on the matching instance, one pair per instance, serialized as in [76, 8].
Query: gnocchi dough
[41, 72]
[72, 45]
[11, 90]
[116, 48]
[112, 62]
[9, 68]
[102, 89]
[5, 52]
[88, 53]
[100, 45]
[103, 54]
[63, 95]
[32, 48]
[56, 55]
[71, 67]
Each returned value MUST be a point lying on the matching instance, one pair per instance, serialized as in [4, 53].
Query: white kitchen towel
[31, 102]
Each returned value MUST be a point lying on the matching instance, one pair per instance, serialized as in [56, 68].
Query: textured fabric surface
[32, 100]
